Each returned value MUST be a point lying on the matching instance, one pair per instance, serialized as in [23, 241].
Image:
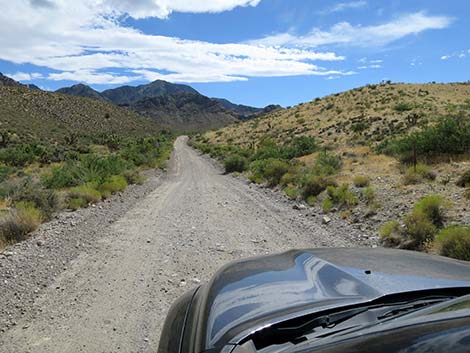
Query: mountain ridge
[144, 99]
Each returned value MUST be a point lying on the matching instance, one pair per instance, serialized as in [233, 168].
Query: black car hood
[249, 294]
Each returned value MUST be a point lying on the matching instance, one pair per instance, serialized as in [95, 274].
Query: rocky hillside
[185, 112]
[6, 81]
[35, 114]
[352, 156]
[363, 115]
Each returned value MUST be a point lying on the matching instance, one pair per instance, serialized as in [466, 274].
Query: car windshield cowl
[346, 319]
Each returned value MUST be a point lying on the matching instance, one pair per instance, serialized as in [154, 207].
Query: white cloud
[153, 8]
[24, 76]
[345, 6]
[364, 36]
[83, 41]
[459, 55]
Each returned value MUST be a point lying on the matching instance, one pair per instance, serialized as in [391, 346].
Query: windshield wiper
[406, 308]
[296, 330]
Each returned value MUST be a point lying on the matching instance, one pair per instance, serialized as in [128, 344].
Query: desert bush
[464, 180]
[300, 146]
[451, 135]
[149, 151]
[21, 221]
[26, 190]
[390, 234]
[361, 181]
[235, 163]
[403, 107]
[291, 178]
[314, 185]
[359, 127]
[342, 196]
[134, 177]
[433, 207]
[21, 155]
[76, 203]
[327, 164]
[292, 192]
[85, 192]
[466, 194]
[5, 172]
[268, 149]
[275, 170]
[91, 168]
[417, 175]
[270, 170]
[327, 205]
[454, 241]
[419, 231]
[111, 185]
[368, 194]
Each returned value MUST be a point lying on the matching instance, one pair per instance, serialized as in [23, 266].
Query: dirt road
[113, 296]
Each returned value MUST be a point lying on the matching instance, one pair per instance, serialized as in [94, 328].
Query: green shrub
[274, 171]
[5, 172]
[268, 149]
[16, 226]
[433, 207]
[314, 185]
[390, 234]
[464, 180]
[419, 230]
[361, 181]
[19, 156]
[327, 205]
[327, 164]
[91, 168]
[359, 127]
[416, 176]
[111, 185]
[270, 170]
[290, 178]
[235, 163]
[449, 136]
[75, 203]
[342, 196]
[134, 177]
[368, 193]
[85, 192]
[300, 146]
[403, 107]
[47, 201]
[292, 192]
[311, 200]
[454, 241]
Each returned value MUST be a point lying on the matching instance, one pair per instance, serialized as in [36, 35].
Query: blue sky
[254, 52]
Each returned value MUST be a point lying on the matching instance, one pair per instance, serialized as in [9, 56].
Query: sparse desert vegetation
[395, 169]
[40, 179]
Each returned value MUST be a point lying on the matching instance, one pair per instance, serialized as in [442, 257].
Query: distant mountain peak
[127, 95]
[82, 90]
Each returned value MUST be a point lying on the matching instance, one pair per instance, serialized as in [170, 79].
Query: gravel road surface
[102, 280]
